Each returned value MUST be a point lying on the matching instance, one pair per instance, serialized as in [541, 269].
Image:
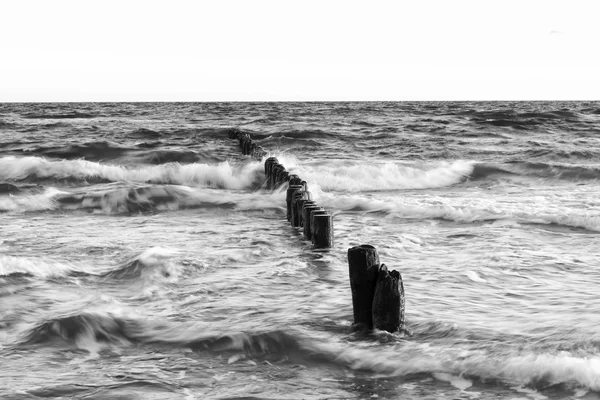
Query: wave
[152, 261]
[11, 266]
[50, 115]
[539, 370]
[287, 141]
[105, 150]
[26, 203]
[536, 170]
[588, 220]
[521, 120]
[456, 363]
[296, 134]
[221, 175]
[179, 156]
[134, 200]
[145, 133]
[7, 188]
[349, 176]
[101, 150]
[152, 265]
[88, 330]
[7, 125]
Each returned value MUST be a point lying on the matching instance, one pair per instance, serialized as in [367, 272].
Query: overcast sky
[55, 50]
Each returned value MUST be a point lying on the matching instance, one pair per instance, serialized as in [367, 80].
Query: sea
[142, 256]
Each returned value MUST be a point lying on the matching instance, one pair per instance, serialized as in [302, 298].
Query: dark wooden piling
[323, 229]
[295, 180]
[300, 206]
[388, 301]
[245, 141]
[233, 133]
[288, 198]
[276, 169]
[268, 162]
[295, 217]
[283, 178]
[313, 214]
[363, 262]
[306, 218]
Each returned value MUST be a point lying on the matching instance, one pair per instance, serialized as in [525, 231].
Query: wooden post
[295, 218]
[276, 169]
[272, 174]
[268, 162]
[313, 214]
[295, 180]
[292, 189]
[323, 228]
[306, 218]
[307, 203]
[300, 206]
[283, 178]
[233, 133]
[388, 301]
[363, 262]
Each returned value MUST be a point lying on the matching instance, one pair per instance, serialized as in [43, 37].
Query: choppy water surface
[142, 258]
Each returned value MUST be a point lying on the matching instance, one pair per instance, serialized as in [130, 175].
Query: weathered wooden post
[272, 173]
[282, 178]
[295, 180]
[300, 206]
[276, 169]
[323, 228]
[306, 218]
[291, 190]
[363, 262]
[268, 163]
[233, 133]
[388, 301]
[295, 218]
[244, 139]
[313, 214]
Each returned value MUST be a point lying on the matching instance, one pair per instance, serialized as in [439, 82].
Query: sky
[327, 50]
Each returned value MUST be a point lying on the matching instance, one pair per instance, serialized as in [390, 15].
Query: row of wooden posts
[377, 293]
[302, 211]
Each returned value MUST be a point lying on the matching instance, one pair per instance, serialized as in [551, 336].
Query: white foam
[35, 267]
[37, 202]
[457, 381]
[451, 365]
[463, 209]
[344, 175]
[472, 275]
[221, 175]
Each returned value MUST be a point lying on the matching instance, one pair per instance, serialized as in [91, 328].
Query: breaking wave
[459, 365]
[221, 175]
[589, 220]
[349, 176]
[135, 200]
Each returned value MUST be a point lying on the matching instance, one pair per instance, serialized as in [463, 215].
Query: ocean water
[142, 257]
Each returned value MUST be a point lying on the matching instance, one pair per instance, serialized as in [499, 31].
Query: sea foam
[221, 175]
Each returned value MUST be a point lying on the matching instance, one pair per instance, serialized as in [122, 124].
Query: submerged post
[388, 301]
[363, 262]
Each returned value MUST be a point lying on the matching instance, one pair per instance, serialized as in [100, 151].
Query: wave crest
[221, 175]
